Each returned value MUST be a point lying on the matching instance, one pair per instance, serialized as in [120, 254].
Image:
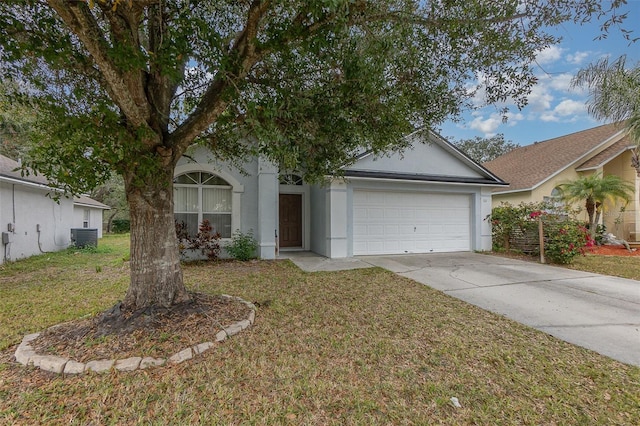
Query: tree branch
[78, 17]
[212, 104]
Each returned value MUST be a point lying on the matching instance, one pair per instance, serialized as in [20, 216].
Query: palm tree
[594, 190]
[614, 94]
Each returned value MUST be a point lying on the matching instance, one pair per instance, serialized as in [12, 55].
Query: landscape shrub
[242, 246]
[207, 241]
[120, 226]
[516, 227]
[569, 240]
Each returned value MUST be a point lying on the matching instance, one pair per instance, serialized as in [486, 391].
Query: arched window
[290, 179]
[199, 196]
[555, 200]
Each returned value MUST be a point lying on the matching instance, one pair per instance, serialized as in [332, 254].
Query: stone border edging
[25, 354]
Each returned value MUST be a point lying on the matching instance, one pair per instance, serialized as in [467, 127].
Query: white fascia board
[27, 183]
[413, 181]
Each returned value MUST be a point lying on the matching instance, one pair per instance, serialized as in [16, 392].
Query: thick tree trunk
[156, 277]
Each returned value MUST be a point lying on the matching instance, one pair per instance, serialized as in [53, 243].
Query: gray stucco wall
[318, 220]
[247, 214]
[26, 207]
[95, 218]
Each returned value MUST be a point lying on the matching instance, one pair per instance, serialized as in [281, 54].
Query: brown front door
[290, 220]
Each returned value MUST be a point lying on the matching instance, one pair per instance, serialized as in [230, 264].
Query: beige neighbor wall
[538, 194]
[624, 223]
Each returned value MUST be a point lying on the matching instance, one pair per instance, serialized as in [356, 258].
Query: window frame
[233, 184]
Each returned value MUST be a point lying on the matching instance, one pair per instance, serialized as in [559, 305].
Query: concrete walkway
[598, 312]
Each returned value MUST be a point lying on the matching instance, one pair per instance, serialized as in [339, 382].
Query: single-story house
[431, 198]
[88, 213]
[535, 171]
[31, 222]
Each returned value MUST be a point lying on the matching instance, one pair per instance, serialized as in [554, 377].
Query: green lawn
[353, 347]
[618, 266]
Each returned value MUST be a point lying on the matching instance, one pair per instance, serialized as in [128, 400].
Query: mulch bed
[612, 250]
[159, 333]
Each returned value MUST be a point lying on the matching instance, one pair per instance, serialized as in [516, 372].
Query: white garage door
[404, 222]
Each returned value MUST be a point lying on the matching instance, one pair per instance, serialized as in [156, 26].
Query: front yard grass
[617, 266]
[353, 347]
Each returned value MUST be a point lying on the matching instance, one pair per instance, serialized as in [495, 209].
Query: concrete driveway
[598, 312]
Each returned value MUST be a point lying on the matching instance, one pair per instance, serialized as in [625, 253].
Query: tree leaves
[307, 84]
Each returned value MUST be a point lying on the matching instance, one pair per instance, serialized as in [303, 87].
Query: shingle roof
[89, 202]
[528, 166]
[607, 155]
[8, 169]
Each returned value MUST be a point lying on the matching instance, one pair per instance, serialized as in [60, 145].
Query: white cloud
[570, 107]
[540, 98]
[549, 54]
[488, 126]
[578, 58]
[561, 82]
[513, 118]
[549, 117]
[566, 109]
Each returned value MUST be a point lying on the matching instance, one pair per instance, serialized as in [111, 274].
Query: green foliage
[90, 249]
[112, 193]
[594, 190]
[120, 226]
[16, 122]
[564, 237]
[614, 94]
[485, 149]
[568, 240]
[507, 219]
[129, 86]
[306, 84]
[614, 89]
[243, 246]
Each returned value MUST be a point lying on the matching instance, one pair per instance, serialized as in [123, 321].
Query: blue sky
[554, 108]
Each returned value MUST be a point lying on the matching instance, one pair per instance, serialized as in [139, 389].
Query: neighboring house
[88, 213]
[432, 198]
[535, 171]
[30, 221]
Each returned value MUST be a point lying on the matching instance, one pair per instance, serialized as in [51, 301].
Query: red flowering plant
[206, 240]
[508, 220]
[569, 239]
[564, 237]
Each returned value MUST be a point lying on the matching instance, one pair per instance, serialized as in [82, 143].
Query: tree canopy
[614, 94]
[129, 85]
[16, 123]
[485, 149]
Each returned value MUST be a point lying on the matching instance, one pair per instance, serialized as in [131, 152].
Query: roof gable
[8, 169]
[430, 158]
[607, 155]
[84, 201]
[527, 167]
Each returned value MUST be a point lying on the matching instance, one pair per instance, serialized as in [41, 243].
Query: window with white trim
[86, 215]
[199, 196]
[555, 201]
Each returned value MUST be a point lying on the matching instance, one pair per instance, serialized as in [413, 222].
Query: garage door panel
[406, 222]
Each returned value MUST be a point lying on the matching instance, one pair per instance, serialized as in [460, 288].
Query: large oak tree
[127, 86]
